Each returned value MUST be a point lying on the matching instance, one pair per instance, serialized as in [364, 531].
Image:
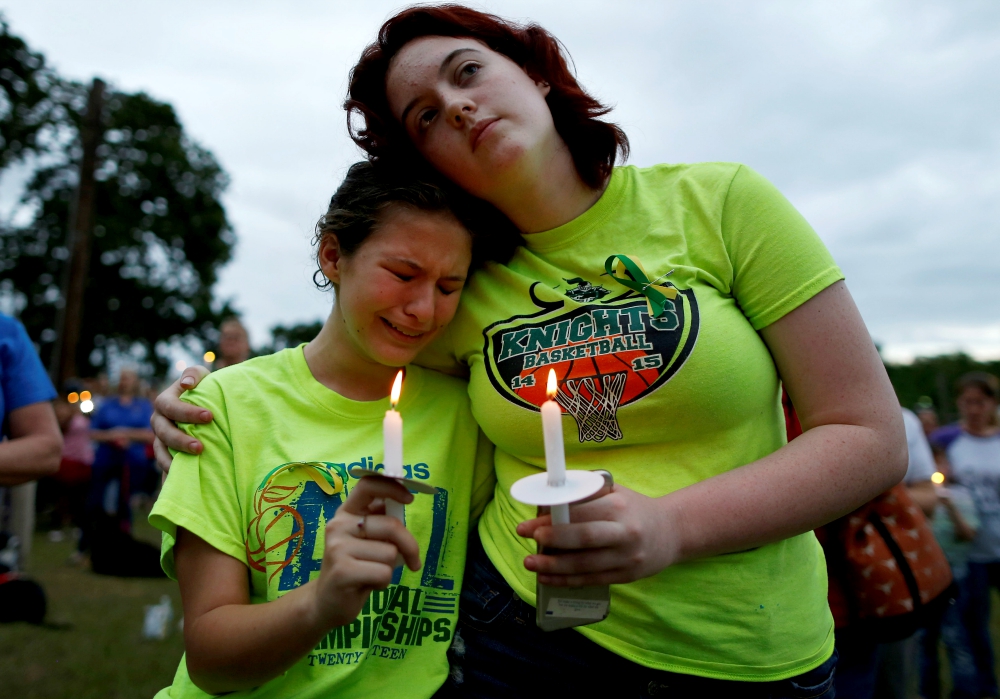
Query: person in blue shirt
[120, 427]
[30, 447]
[32, 443]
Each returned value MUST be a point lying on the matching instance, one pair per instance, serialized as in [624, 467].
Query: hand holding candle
[560, 608]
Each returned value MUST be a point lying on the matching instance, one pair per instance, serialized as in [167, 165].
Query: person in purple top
[31, 443]
[974, 458]
[942, 437]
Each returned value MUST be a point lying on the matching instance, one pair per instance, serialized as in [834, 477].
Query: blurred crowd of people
[81, 461]
[911, 571]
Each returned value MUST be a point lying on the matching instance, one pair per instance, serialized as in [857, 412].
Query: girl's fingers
[528, 527]
[375, 528]
[371, 488]
[172, 437]
[192, 376]
[169, 405]
[585, 535]
[391, 530]
[371, 550]
[592, 509]
[589, 562]
[365, 574]
[163, 456]
[171, 409]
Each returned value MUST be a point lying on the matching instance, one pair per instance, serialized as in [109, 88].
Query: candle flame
[85, 395]
[937, 478]
[73, 397]
[553, 388]
[397, 386]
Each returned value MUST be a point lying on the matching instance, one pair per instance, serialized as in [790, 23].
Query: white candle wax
[555, 455]
[392, 442]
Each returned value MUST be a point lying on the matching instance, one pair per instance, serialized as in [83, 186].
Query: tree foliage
[33, 100]
[935, 377]
[160, 233]
[291, 336]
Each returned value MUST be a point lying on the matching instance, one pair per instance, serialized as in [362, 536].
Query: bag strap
[897, 553]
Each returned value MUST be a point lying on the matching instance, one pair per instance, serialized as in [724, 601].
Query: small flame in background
[937, 478]
[397, 386]
[209, 357]
[553, 387]
[73, 397]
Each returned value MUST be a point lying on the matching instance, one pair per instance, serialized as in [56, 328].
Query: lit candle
[392, 441]
[555, 454]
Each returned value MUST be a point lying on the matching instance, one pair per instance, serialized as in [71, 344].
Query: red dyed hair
[594, 144]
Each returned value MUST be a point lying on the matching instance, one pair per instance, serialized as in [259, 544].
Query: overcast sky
[879, 120]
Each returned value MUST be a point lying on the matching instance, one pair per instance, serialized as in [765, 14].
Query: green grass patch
[92, 646]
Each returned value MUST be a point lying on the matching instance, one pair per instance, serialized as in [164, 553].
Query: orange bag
[887, 574]
[893, 575]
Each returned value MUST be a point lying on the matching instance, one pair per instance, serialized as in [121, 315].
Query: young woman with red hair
[669, 300]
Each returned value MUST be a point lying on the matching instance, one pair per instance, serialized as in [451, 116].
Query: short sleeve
[484, 479]
[778, 261]
[200, 493]
[22, 375]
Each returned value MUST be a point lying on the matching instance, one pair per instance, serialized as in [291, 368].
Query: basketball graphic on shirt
[606, 353]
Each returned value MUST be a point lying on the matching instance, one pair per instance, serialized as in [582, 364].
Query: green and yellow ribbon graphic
[618, 266]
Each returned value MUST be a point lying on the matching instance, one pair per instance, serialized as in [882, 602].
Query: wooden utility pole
[78, 238]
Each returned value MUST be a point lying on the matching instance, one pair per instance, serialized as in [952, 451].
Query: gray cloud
[877, 119]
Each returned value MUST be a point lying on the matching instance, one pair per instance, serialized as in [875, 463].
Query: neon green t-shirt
[661, 403]
[274, 471]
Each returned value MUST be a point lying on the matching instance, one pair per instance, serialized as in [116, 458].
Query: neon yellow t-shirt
[660, 403]
[275, 470]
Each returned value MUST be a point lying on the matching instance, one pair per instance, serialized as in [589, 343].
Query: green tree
[159, 239]
[291, 336]
[32, 100]
[935, 377]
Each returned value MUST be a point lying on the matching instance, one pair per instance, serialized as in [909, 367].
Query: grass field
[92, 645]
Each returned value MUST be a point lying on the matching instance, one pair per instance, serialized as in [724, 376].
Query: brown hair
[369, 189]
[987, 383]
[594, 144]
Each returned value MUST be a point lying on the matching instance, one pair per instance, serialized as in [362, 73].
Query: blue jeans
[952, 630]
[498, 652]
[870, 670]
[982, 576]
